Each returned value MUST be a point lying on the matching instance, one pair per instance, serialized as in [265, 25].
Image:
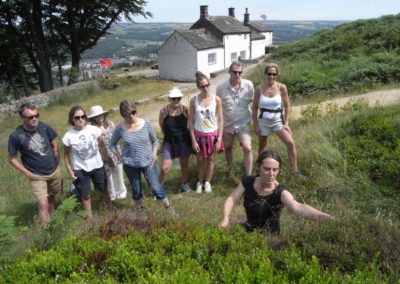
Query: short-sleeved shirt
[263, 212]
[138, 145]
[85, 148]
[236, 106]
[35, 148]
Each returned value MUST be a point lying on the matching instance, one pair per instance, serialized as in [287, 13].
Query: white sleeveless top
[272, 103]
[205, 120]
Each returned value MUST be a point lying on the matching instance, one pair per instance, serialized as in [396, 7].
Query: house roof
[259, 27]
[256, 35]
[223, 24]
[200, 39]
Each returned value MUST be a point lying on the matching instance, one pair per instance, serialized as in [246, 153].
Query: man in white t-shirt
[236, 96]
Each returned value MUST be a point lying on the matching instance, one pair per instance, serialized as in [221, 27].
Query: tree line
[34, 35]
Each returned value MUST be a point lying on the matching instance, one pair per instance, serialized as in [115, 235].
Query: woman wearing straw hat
[115, 178]
[173, 120]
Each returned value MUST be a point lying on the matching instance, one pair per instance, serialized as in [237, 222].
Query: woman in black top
[264, 198]
[173, 120]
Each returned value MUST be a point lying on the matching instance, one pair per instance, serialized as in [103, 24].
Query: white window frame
[212, 58]
[243, 54]
[234, 56]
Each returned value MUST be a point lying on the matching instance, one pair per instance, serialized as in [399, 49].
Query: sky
[188, 11]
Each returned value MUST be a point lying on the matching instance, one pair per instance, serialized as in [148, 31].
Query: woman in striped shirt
[139, 153]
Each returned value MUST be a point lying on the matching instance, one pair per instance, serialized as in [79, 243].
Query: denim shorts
[82, 184]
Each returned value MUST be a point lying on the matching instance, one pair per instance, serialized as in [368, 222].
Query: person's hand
[72, 175]
[224, 223]
[218, 145]
[196, 147]
[31, 176]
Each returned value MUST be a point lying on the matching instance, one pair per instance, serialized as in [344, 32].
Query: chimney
[246, 18]
[203, 11]
[231, 11]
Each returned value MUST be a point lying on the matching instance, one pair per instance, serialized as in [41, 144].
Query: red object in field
[105, 62]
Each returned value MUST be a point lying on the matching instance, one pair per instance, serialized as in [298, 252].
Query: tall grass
[346, 245]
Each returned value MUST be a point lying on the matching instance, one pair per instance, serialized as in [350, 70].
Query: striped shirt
[137, 145]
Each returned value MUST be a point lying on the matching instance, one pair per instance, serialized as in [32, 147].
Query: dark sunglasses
[78, 117]
[272, 74]
[133, 112]
[237, 72]
[205, 86]
[32, 116]
[176, 99]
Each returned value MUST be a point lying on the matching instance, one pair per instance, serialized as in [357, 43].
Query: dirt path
[375, 98]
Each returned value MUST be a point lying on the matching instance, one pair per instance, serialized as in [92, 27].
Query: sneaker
[207, 187]
[185, 187]
[199, 187]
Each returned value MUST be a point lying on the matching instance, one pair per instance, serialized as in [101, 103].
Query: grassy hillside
[349, 155]
[355, 56]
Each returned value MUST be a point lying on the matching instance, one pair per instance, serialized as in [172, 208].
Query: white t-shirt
[85, 148]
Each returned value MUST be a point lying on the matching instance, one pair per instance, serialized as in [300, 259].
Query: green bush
[177, 253]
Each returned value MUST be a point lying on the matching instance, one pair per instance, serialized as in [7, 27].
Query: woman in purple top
[139, 153]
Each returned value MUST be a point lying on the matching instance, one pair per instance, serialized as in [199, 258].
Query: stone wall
[44, 99]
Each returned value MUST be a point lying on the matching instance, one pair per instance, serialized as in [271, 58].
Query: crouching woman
[264, 198]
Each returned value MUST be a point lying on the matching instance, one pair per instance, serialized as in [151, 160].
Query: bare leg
[210, 168]
[44, 215]
[262, 143]
[87, 205]
[286, 138]
[200, 167]
[184, 162]
[248, 158]
[52, 205]
[165, 168]
[228, 149]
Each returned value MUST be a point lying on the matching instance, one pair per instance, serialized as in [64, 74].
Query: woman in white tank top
[271, 109]
[206, 126]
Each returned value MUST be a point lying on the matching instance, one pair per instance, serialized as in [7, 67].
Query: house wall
[236, 43]
[258, 48]
[177, 59]
[203, 64]
[268, 38]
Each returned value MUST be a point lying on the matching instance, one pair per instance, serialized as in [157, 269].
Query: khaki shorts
[44, 186]
[243, 136]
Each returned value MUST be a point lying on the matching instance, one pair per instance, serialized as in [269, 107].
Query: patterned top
[112, 159]
[205, 119]
[138, 145]
[35, 148]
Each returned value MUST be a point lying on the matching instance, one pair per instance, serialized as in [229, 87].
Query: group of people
[207, 127]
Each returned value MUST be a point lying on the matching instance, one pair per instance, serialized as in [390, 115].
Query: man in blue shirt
[36, 142]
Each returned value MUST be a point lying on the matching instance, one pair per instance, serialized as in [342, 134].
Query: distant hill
[359, 55]
[144, 38]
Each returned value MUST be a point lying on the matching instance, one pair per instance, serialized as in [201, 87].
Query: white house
[210, 45]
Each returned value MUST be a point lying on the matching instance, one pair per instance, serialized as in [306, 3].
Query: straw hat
[175, 93]
[96, 111]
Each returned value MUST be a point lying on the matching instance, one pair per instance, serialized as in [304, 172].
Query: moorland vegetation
[349, 155]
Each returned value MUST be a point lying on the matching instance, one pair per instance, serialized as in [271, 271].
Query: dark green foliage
[177, 253]
[7, 234]
[352, 56]
[371, 143]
